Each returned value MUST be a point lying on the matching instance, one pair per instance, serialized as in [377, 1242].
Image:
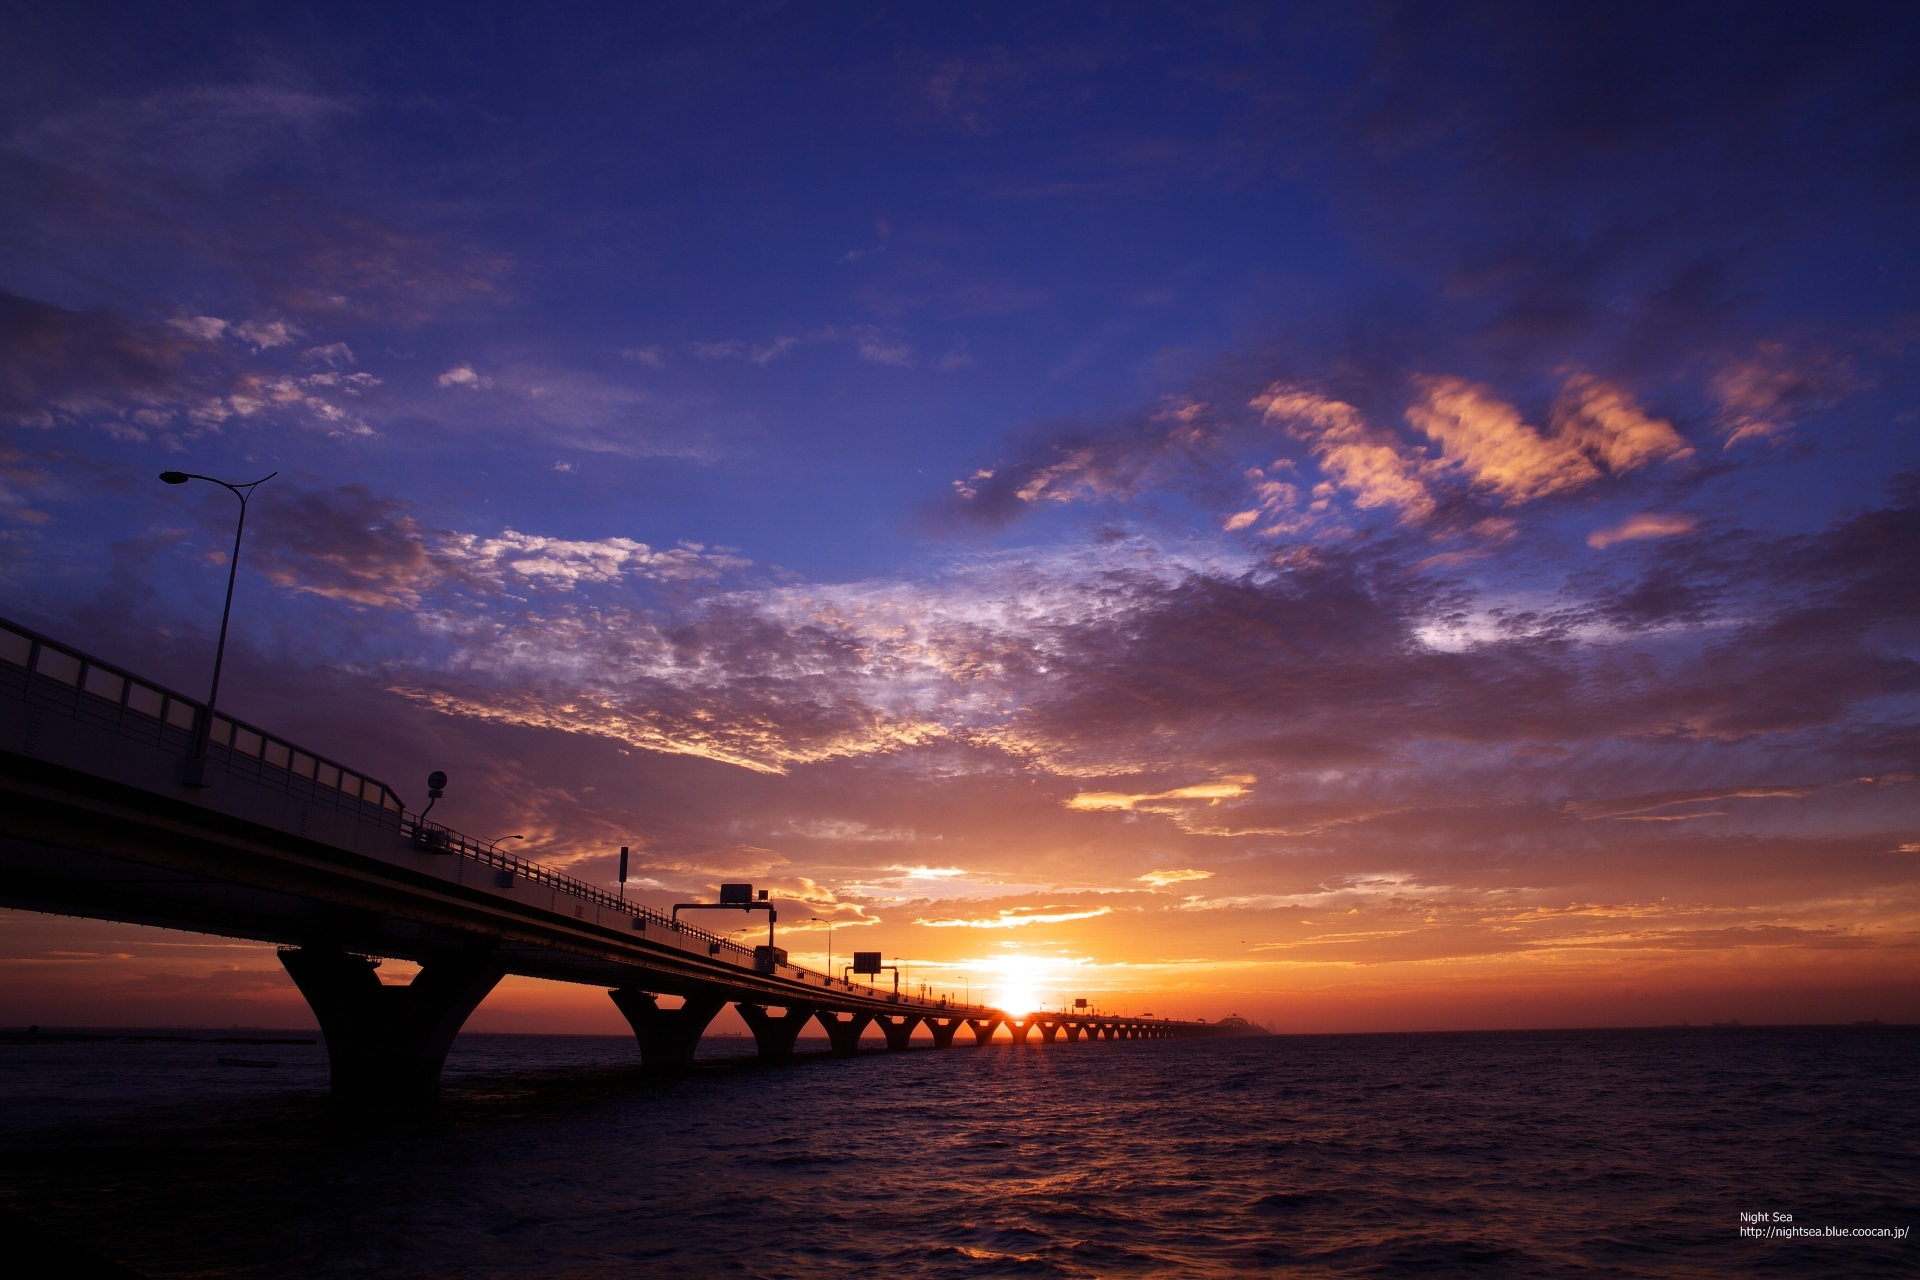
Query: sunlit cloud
[1161, 879]
[1213, 792]
[1605, 421]
[1485, 436]
[1356, 458]
[1645, 525]
[1016, 919]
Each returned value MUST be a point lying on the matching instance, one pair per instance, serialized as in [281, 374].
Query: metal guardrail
[115, 686]
[438, 839]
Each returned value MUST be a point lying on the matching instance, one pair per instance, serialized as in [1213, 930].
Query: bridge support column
[1020, 1030]
[668, 1037]
[943, 1031]
[1048, 1030]
[772, 1036]
[983, 1029]
[844, 1029]
[387, 1044]
[899, 1031]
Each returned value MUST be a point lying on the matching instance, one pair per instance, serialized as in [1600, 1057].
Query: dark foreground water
[1619, 1153]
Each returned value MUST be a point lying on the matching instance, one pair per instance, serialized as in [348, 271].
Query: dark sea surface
[1608, 1153]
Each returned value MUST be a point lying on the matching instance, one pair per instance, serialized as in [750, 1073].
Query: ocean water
[1606, 1153]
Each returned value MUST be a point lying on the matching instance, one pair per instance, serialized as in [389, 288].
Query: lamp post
[497, 839]
[823, 920]
[196, 773]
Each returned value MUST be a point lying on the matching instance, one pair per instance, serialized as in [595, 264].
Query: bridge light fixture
[196, 770]
[436, 787]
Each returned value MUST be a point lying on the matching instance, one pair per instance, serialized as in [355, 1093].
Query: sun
[1016, 998]
[1016, 990]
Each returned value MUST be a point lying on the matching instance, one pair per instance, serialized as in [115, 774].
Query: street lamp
[823, 920]
[196, 773]
[497, 839]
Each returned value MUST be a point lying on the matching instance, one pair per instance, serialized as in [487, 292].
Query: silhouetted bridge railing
[288, 846]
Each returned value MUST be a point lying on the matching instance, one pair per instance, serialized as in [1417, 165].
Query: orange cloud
[1645, 525]
[1596, 427]
[1485, 436]
[1355, 458]
[1210, 791]
[1015, 919]
[1161, 879]
[1604, 421]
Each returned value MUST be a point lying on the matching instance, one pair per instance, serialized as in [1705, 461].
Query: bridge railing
[433, 836]
[98, 685]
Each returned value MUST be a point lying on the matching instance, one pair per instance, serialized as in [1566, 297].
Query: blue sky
[1333, 453]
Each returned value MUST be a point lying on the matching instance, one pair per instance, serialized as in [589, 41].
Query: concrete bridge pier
[1021, 1030]
[899, 1031]
[386, 1045]
[772, 1036]
[943, 1030]
[668, 1037]
[1048, 1030]
[844, 1029]
[983, 1029]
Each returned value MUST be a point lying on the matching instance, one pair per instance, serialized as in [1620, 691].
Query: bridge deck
[287, 846]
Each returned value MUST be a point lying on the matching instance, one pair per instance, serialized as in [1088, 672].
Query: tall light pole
[823, 920]
[196, 773]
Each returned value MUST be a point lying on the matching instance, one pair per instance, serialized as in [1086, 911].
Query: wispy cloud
[1212, 792]
[1645, 525]
[1161, 879]
[462, 375]
[1016, 919]
[1761, 397]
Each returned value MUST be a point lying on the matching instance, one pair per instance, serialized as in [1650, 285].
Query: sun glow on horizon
[1023, 984]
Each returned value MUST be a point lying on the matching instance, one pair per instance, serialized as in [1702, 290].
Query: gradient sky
[1363, 517]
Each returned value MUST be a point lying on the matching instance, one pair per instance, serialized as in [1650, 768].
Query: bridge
[284, 845]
